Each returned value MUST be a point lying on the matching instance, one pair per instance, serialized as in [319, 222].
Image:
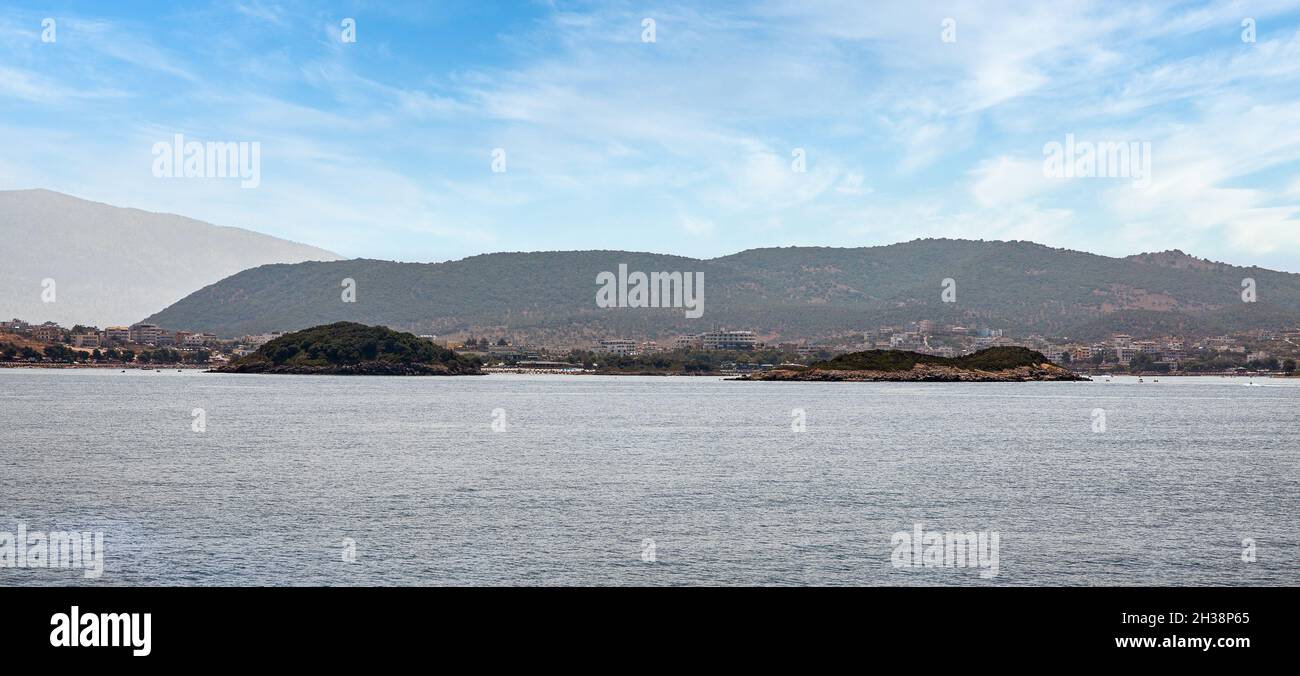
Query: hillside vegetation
[785, 293]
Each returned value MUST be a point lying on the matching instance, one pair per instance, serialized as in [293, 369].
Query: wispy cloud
[383, 147]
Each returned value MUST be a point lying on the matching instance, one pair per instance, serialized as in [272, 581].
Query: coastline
[209, 368]
[123, 367]
[360, 369]
[924, 373]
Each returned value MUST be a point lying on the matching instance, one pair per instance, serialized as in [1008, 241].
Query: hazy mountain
[794, 292]
[112, 265]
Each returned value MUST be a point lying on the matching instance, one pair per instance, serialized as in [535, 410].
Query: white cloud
[853, 184]
[695, 131]
[1201, 174]
[696, 226]
[1005, 180]
[264, 12]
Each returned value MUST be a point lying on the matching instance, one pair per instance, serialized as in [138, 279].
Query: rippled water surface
[587, 469]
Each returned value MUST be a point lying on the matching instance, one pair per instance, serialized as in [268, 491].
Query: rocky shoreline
[928, 373]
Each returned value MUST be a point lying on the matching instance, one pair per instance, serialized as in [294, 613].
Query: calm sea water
[588, 469]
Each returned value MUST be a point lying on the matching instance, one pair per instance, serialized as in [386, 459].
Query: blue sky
[383, 147]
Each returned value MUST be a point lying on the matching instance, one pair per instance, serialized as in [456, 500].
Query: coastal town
[1258, 352]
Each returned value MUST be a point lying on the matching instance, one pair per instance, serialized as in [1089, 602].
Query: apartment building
[616, 346]
[47, 332]
[145, 334]
[729, 340]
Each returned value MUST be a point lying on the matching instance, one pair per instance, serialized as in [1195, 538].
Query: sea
[197, 478]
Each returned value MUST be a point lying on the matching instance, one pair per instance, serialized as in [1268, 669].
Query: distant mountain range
[781, 293]
[112, 265]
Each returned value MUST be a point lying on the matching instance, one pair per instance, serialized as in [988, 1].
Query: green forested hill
[794, 292]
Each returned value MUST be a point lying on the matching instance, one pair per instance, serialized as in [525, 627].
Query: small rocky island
[348, 348]
[994, 364]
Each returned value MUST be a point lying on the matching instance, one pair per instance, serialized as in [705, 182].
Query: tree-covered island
[995, 364]
[348, 348]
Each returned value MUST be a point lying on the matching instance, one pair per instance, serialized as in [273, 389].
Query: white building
[940, 351]
[907, 341]
[260, 340]
[729, 340]
[198, 340]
